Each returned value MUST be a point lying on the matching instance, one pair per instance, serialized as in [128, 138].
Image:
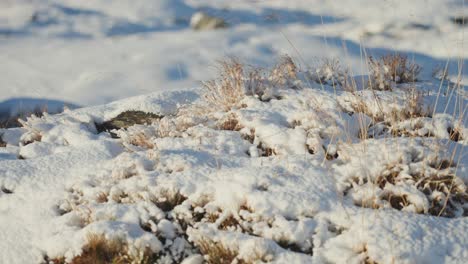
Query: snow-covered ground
[299, 171]
[288, 177]
[94, 52]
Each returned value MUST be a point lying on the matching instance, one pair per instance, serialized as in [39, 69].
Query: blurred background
[80, 53]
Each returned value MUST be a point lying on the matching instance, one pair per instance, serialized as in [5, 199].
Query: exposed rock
[127, 119]
[202, 21]
[419, 26]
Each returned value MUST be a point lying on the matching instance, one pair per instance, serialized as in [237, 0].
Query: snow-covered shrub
[391, 69]
[284, 74]
[408, 179]
[15, 120]
[154, 217]
[100, 250]
[33, 126]
[387, 113]
[332, 72]
[236, 81]
[282, 180]
[230, 122]
[144, 135]
[216, 252]
[167, 200]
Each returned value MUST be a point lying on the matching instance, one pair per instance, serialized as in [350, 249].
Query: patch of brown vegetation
[236, 81]
[231, 123]
[141, 140]
[332, 72]
[232, 85]
[167, 200]
[229, 223]
[393, 121]
[391, 68]
[454, 134]
[446, 193]
[250, 137]
[265, 151]
[396, 201]
[284, 73]
[217, 253]
[102, 197]
[100, 250]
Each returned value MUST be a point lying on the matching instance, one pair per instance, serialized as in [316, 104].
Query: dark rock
[126, 120]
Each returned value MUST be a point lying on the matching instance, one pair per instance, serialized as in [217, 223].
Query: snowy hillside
[275, 165]
[176, 143]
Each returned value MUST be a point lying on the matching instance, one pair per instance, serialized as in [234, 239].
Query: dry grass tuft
[236, 81]
[167, 199]
[100, 250]
[392, 68]
[332, 72]
[396, 201]
[389, 120]
[250, 137]
[445, 192]
[231, 122]
[141, 140]
[145, 136]
[232, 85]
[230, 223]
[265, 151]
[284, 73]
[170, 127]
[413, 106]
[454, 134]
[217, 253]
[102, 197]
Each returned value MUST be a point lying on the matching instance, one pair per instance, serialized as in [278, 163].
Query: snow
[291, 196]
[89, 53]
[311, 173]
